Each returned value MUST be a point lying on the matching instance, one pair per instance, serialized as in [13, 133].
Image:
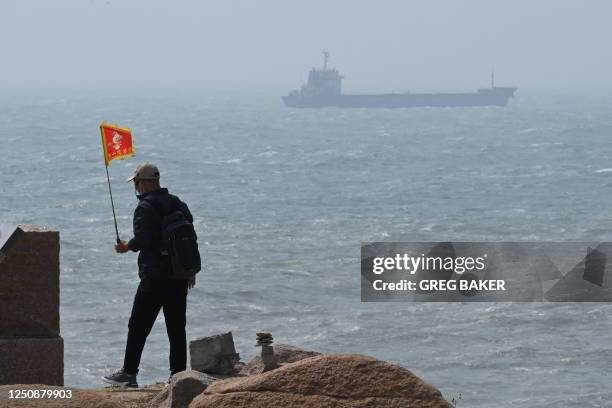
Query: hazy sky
[376, 44]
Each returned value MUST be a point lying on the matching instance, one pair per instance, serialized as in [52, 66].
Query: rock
[214, 354]
[264, 339]
[159, 399]
[268, 359]
[283, 353]
[183, 388]
[31, 350]
[29, 294]
[339, 381]
[32, 361]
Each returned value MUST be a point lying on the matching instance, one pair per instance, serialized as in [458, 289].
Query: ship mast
[492, 79]
[325, 58]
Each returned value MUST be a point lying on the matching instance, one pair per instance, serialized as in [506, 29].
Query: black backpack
[179, 242]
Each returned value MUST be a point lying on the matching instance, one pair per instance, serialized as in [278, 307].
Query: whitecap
[606, 170]
[268, 154]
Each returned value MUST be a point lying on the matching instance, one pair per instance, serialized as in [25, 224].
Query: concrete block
[32, 361]
[29, 293]
[214, 354]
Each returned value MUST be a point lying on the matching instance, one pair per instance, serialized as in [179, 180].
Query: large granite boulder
[339, 381]
[284, 354]
[183, 388]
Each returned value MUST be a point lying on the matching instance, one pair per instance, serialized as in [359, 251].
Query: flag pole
[106, 161]
[112, 203]
[121, 141]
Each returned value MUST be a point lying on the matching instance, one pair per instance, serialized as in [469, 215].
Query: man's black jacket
[148, 230]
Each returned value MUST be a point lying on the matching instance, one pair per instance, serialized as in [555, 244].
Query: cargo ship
[324, 88]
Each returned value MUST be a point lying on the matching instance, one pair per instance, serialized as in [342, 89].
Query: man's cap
[145, 171]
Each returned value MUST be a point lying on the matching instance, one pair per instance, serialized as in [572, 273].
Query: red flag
[117, 142]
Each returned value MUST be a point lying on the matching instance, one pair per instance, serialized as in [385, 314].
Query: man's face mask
[136, 192]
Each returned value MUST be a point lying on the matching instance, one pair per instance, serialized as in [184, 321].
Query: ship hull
[486, 97]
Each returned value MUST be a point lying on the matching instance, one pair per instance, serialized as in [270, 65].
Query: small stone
[183, 388]
[269, 360]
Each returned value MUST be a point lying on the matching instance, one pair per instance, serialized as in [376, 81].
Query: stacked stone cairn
[269, 360]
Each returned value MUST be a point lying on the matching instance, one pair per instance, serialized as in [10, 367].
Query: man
[157, 290]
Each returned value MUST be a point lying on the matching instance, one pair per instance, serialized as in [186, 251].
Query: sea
[283, 199]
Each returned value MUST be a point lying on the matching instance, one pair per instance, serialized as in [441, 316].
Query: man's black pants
[153, 295]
